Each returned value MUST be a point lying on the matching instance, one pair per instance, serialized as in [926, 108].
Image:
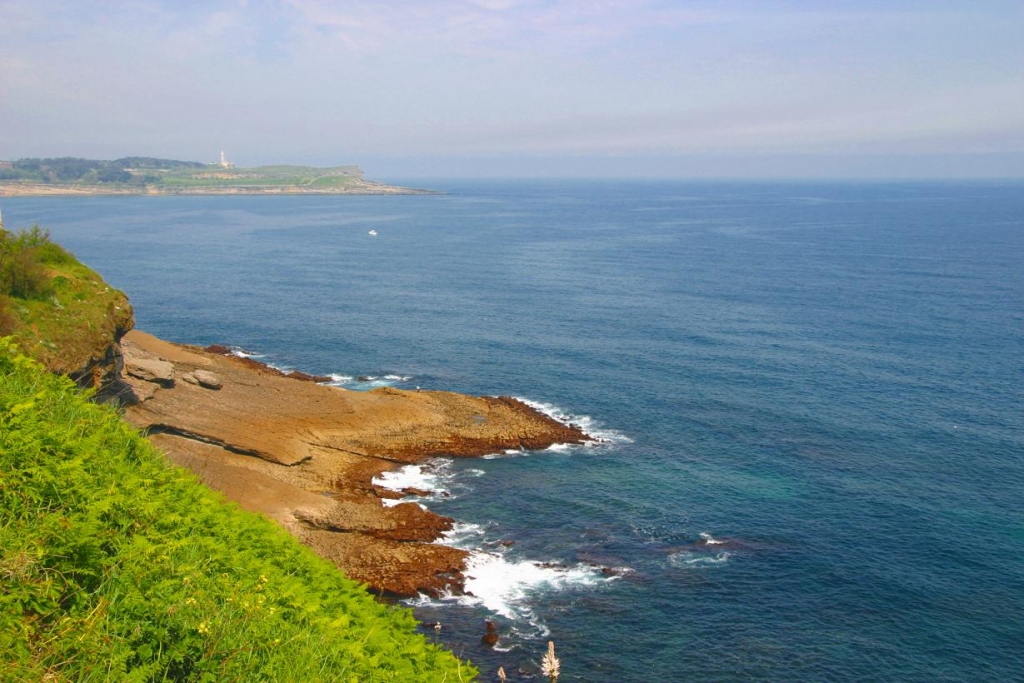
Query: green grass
[261, 176]
[331, 181]
[175, 176]
[116, 566]
[223, 182]
[70, 315]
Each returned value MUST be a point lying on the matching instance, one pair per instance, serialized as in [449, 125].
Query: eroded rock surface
[203, 378]
[151, 370]
[305, 454]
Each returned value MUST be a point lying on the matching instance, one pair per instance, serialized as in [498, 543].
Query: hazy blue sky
[821, 88]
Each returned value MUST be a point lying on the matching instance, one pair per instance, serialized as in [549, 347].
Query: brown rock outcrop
[305, 454]
[151, 370]
[203, 378]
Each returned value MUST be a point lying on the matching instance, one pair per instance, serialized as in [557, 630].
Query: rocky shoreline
[305, 454]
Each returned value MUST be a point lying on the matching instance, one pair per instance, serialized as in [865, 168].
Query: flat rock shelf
[305, 454]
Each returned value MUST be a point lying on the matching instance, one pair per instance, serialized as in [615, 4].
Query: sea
[807, 400]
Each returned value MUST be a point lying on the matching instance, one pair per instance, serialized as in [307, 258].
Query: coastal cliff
[306, 455]
[60, 312]
[300, 453]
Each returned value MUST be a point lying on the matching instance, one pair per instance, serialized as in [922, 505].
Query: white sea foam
[427, 477]
[392, 502]
[509, 587]
[709, 539]
[502, 586]
[367, 382]
[587, 424]
[506, 587]
[464, 535]
[507, 453]
[687, 558]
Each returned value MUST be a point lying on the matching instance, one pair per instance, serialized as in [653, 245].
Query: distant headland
[151, 176]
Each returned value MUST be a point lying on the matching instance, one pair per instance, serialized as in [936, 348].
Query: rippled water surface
[810, 398]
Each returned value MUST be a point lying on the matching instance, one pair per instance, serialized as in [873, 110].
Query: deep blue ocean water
[812, 395]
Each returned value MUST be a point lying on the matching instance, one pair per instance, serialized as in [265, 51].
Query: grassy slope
[73, 319]
[279, 177]
[261, 176]
[116, 566]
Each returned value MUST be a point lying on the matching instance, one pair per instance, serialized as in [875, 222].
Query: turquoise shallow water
[811, 394]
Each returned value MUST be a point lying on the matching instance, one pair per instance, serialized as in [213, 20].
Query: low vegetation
[60, 311]
[129, 170]
[146, 174]
[117, 566]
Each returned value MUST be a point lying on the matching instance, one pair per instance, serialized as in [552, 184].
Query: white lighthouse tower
[224, 163]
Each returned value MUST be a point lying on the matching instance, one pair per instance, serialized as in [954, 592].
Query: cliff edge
[301, 453]
[60, 312]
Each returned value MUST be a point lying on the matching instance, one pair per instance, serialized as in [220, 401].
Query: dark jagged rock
[219, 349]
[411, 491]
[490, 637]
[306, 377]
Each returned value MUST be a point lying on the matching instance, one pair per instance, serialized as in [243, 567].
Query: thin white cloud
[492, 27]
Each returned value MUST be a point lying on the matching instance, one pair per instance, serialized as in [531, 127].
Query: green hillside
[146, 175]
[309, 177]
[60, 311]
[117, 566]
[61, 170]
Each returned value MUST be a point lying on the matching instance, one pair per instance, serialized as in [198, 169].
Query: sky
[524, 88]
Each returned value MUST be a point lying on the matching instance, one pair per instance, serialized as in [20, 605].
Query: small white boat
[372, 233]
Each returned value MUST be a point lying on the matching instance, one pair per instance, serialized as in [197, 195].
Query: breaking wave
[589, 426]
[367, 382]
[510, 587]
[427, 477]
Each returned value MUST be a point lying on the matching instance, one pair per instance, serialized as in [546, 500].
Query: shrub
[22, 273]
[8, 321]
[52, 254]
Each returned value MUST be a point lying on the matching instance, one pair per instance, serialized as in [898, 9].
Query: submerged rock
[490, 637]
